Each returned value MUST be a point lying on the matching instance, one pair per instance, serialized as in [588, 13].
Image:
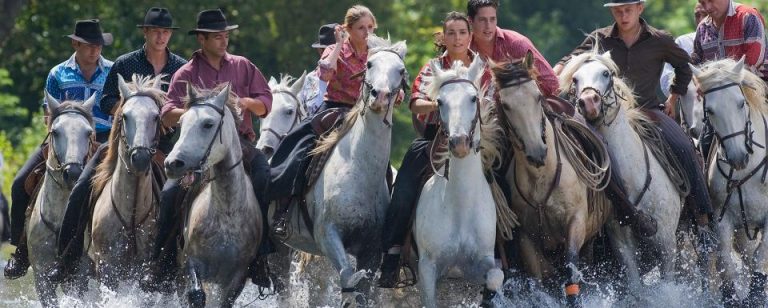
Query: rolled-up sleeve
[176, 92]
[419, 87]
[324, 69]
[259, 89]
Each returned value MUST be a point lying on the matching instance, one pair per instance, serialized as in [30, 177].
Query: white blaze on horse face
[590, 77]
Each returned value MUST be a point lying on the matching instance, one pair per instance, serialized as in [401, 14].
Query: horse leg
[330, 244]
[368, 260]
[46, 291]
[233, 290]
[725, 263]
[195, 291]
[107, 273]
[757, 297]
[494, 279]
[625, 247]
[531, 257]
[427, 280]
[666, 248]
[576, 238]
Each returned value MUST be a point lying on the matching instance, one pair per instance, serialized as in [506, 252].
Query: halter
[130, 150]
[59, 166]
[477, 118]
[518, 143]
[610, 90]
[366, 89]
[748, 132]
[201, 170]
[296, 119]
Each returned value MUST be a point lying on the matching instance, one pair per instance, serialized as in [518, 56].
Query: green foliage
[16, 154]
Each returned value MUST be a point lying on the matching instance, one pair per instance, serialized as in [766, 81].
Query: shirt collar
[348, 51]
[731, 8]
[615, 28]
[72, 63]
[199, 56]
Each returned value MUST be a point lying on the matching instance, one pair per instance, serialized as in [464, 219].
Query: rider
[212, 65]
[454, 46]
[340, 66]
[685, 42]
[313, 91]
[640, 51]
[77, 78]
[731, 30]
[154, 58]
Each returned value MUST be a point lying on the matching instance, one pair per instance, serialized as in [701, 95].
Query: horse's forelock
[207, 94]
[457, 71]
[284, 84]
[715, 73]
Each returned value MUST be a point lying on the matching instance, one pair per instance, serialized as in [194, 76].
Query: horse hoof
[488, 297]
[196, 298]
[55, 273]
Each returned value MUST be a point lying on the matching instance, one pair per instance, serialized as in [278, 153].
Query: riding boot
[18, 263]
[390, 271]
[280, 217]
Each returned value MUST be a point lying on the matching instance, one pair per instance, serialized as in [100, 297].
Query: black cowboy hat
[212, 21]
[325, 36]
[612, 3]
[158, 17]
[89, 32]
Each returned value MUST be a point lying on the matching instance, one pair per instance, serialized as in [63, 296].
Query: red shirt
[342, 88]
[246, 81]
[420, 87]
[510, 45]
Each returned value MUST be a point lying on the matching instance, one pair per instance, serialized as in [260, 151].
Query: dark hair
[475, 5]
[451, 16]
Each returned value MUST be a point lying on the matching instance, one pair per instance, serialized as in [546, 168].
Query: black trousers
[684, 150]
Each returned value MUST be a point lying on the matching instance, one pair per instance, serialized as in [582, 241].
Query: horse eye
[402, 71]
[439, 102]
[474, 99]
[606, 74]
[208, 125]
[55, 133]
[289, 112]
[369, 65]
[575, 81]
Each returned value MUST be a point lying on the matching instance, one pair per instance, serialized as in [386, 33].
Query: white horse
[71, 135]
[455, 223]
[348, 202]
[549, 197]
[123, 222]
[223, 223]
[608, 103]
[692, 113]
[287, 112]
[735, 104]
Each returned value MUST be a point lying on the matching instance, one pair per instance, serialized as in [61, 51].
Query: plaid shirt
[420, 87]
[741, 34]
[341, 87]
[66, 82]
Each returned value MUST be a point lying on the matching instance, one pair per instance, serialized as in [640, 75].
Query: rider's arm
[111, 94]
[259, 100]
[174, 107]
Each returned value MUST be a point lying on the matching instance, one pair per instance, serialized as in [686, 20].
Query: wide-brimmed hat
[158, 17]
[325, 36]
[612, 3]
[212, 21]
[89, 32]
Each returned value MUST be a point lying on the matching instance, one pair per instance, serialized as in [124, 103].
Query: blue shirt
[66, 82]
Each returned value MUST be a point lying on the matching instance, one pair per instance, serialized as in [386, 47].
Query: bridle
[201, 170]
[605, 95]
[518, 81]
[131, 149]
[299, 116]
[748, 132]
[366, 89]
[59, 167]
[476, 119]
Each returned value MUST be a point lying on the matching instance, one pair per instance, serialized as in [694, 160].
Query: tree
[10, 9]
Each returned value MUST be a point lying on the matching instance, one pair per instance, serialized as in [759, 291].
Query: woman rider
[454, 46]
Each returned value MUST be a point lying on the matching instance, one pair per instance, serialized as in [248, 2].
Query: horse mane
[375, 44]
[141, 86]
[283, 85]
[458, 70]
[716, 72]
[624, 92]
[205, 94]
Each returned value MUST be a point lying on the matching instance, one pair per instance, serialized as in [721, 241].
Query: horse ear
[476, 69]
[528, 60]
[401, 48]
[299, 84]
[272, 82]
[191, 92]
[696, 71]
[607, 54]
[434, 66]
[158, 84]
[223, 96]
[89, 103]
[51, 102]
[739, 68]
[123, 87]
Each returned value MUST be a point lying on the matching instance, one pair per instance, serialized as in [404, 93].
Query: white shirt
[313, 92]
[685, 42]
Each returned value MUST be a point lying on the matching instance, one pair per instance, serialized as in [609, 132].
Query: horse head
[287, 111]
[731, 93]
[522, 107]
[591, 79]
[692, 111]
[138, 120]
[71, 132]
[456, 93]
[385, 75]
[207, 131]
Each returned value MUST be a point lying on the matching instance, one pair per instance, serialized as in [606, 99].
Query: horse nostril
[580, 102]
[175, 164]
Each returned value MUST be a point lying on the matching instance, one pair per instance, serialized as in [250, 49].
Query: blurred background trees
[275, 35]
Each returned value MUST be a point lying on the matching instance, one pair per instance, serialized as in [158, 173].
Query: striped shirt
[66, 82]
[741, 34]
